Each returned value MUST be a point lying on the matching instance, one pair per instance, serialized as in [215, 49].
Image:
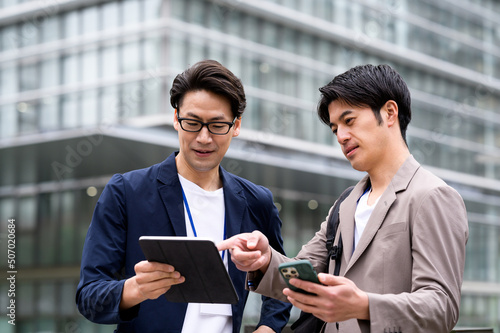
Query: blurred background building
[84, 94]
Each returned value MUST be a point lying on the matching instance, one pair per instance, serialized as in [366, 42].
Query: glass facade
[84, 94]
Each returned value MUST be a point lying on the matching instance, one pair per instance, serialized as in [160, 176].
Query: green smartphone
[300, 269]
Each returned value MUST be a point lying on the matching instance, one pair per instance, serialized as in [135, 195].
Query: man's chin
[205, 166]
[356, 166]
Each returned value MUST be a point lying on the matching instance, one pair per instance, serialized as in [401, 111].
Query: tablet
[199, 261]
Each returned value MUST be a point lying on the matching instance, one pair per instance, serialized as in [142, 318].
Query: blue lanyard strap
[189, 213]
[367, 190]
[192, 223]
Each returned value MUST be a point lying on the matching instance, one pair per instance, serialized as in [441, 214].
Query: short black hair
[211, 76]
[371, 86]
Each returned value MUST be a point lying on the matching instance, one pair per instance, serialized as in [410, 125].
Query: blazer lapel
[346, 216]
[399, 183]
[374, 223]
[235, 207]
[170, 191]
[234, 203]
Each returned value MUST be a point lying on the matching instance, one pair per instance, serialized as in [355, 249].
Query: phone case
[301, 269]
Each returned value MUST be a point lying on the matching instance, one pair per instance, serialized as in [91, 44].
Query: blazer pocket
[392, 228]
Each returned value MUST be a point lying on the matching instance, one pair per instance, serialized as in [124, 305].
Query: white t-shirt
[362, 215]
[207, 212]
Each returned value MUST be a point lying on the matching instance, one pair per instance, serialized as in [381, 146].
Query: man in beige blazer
[404, 230]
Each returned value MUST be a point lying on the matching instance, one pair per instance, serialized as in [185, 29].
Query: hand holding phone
[301, 269]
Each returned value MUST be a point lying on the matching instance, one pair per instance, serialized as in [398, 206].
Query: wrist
[264, 329]
[364, 310]
[268, 257]
[131, 295]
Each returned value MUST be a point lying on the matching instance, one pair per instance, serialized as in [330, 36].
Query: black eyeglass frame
[231, 124]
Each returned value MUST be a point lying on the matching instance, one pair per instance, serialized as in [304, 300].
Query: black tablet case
[199, 261]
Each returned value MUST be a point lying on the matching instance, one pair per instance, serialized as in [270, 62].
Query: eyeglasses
[214, 127]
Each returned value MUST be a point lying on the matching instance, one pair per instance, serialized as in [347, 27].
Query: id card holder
[216, 309]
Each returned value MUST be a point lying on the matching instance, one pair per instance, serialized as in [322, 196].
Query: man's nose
[204, 135]
[342, 135]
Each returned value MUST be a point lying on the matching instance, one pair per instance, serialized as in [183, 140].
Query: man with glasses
[188, 194]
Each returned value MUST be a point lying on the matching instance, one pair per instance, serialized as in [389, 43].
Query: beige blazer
[409, 259]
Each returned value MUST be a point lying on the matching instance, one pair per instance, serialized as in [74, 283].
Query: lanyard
[367, 190]
[192, 223]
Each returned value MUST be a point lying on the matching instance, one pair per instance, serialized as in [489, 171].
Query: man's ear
[237, 127]
[176, 121]
[391, 108]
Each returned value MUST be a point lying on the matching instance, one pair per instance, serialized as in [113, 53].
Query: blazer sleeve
[271, 284]
[101, 279]
[274, 313]
[438, 238]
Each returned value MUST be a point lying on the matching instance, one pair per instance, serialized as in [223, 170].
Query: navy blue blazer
[149, 202]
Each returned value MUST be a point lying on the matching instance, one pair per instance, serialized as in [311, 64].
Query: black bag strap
[307, 323]
[335, 252]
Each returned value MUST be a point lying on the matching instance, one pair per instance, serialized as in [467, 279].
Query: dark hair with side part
[370, 86]
[211, 76]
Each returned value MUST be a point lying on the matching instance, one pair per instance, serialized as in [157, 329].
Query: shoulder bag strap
[335, 252]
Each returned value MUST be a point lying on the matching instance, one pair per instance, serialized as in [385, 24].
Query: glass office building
[84, 94]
